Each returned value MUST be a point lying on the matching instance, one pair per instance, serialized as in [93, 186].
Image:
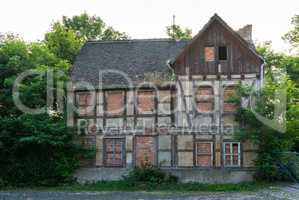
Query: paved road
[285, 192]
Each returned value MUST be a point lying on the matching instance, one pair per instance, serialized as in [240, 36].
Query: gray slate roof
[133, 57]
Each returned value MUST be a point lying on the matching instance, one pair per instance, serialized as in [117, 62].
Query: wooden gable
[206, 53]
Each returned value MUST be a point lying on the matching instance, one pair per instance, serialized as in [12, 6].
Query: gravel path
[282, 192]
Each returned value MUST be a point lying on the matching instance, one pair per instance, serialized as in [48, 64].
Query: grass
[108, 186]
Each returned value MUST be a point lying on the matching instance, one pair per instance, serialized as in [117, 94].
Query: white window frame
[231, 154]
[212, 152]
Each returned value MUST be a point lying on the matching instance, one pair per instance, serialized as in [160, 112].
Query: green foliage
[176, 32]
[159, 78]
[275, 60]
[273, 145]
[150, 176]
[293, 36]
[63, 42]
[16, 57]
[37, 150]
[91, 28]
[67, 37]
[122, 185]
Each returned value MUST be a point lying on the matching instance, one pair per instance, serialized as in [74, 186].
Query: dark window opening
[222, 53]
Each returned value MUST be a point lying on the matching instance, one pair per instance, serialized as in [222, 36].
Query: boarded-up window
[145, 102]
[204, 99]
[231, 154]
[145, 147]
[114, 152]
[85, 103]
[209, 54]
[204, 154]
[85, 99]
[115, 103]
[229, 95]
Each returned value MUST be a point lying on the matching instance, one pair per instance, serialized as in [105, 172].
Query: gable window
[204, 154]
[222, 53]
[114, 152]
[209, 54]
[231, 154]
[204, 99]
[145, 102]
[115, 102]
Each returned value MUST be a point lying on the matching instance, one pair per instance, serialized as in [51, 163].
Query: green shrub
[37, 150]
[289, 166]
[150, 176]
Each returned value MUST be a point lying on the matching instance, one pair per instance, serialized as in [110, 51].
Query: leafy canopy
[274, 160]
[91, 28]
[293, 36]
[176, 32]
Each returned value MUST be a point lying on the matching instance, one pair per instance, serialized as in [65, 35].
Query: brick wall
[145, 147]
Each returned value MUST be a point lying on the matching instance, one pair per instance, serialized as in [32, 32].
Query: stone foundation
[186, 175]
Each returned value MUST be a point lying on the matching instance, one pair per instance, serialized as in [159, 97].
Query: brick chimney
[246, 32]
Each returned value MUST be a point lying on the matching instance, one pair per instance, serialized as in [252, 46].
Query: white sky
[148, 18]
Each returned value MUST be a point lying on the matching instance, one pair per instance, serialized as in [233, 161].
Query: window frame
[226, 53]
[204, 154]
[122, 153]
[231, 154]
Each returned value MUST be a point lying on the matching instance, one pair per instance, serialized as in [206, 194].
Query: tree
[34, 149]
[289, 63]
[274, 146]
[39, 149]
[293, 36]
[91, 28]
[67, 37]
[63, 42]
[176, 32]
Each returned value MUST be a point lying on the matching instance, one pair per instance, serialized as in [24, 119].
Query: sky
[31, 19]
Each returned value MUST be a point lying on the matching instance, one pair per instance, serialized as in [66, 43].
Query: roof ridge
[137, 40]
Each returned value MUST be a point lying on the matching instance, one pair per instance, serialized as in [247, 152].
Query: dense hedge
[149, 176]
[36, 150]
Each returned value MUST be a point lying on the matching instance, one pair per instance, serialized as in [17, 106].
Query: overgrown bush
[274, 160]
[150, 176]
[37, 150]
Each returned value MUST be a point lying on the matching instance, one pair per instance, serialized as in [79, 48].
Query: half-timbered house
[167, 103]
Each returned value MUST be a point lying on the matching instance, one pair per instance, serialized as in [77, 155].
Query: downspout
[169, 65]
[262, 75]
